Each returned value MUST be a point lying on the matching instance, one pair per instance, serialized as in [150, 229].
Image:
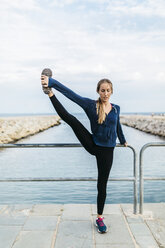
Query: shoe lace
[100, 221]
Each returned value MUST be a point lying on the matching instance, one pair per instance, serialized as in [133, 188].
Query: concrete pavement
[73, 226]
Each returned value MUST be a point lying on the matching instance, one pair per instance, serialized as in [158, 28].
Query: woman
[105, 126]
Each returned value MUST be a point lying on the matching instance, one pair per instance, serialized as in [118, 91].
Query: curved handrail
[68, 145]
[141, 177]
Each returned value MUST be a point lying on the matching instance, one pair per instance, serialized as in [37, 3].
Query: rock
[15, 128]
[150, 124]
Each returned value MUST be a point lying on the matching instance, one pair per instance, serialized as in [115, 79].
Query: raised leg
[83, 135]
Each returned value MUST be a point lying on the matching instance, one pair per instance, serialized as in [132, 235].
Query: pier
[73, 226]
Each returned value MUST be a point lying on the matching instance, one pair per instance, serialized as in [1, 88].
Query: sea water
[76, 162]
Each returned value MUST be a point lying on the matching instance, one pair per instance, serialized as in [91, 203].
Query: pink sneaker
[100, 225]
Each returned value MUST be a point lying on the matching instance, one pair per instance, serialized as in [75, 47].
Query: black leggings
[104, 155]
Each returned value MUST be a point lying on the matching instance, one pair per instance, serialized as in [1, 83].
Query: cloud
[19, 5]
[80, 46]
[148, 8]
[62, 3]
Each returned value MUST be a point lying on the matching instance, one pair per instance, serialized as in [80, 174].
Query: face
[105, 92]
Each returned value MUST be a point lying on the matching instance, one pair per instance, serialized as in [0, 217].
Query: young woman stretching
[105, 126]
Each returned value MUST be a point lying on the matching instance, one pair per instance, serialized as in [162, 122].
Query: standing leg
[80, 131]
[104, 163]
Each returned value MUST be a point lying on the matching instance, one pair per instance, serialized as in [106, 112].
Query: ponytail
[100, 111]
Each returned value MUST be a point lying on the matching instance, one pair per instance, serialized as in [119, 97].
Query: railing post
[135, 182]
[141, 178]
[135, 179]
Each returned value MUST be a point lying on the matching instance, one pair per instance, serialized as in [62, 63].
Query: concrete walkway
[73, 226]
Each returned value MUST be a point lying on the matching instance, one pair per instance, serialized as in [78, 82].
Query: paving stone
[47, 209]
[40, 223]
[8, 235]
[74, 234]
[135, 219]
[117, 232]
[76, 212]
[108, 209]
[116, 246]
[146, 242]
[2, 208]
[6, 220]
[128, 209]
[157, 228]
[140, 229]
[157, 210]
[143, 235]
[18, 210]
[34, 239]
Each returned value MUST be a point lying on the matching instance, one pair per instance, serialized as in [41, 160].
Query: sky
[82, 42]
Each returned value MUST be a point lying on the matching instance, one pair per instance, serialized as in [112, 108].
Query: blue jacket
[104, 134]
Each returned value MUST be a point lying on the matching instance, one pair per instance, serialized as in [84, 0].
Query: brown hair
[99, 104]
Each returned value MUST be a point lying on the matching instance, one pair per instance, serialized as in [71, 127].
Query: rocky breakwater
[151, 124]
[15, 128]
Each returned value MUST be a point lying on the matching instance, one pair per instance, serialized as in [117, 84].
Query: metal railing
[141, 177]
[68, 145]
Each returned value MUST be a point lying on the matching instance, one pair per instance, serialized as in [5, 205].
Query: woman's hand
[125, 144]
[44, 80]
